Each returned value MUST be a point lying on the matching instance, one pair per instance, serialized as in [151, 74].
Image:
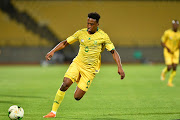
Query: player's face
[175, 26]
[92, 25]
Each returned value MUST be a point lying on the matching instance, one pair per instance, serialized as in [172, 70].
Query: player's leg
[67, 82]
[79, 93]
[165, 70]
[172, 75]
[84, 83]
[174, 66]
[169, 67]
[175, 60]
[70, 76]
[60, 93]
[168, 62]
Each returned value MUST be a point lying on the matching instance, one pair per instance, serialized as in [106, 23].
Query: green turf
[140, 96]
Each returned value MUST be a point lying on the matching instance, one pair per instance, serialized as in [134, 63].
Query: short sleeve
[164, 37]
[108, 44]
[73, 38]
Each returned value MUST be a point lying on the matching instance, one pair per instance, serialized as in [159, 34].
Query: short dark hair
[94, 15]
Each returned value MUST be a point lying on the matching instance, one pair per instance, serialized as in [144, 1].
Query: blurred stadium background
[30, 28]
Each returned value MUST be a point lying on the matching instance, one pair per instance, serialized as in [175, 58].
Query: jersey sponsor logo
[82, 40]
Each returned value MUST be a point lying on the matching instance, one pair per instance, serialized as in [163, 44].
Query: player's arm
[117, 59]
[58, 47]
[164, 46]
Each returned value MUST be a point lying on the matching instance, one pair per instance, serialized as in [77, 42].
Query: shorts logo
[88, 83]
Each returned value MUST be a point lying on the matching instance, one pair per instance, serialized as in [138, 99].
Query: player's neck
[91, 32]
[175, 30]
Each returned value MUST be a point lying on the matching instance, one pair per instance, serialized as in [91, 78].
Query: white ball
[15, 112]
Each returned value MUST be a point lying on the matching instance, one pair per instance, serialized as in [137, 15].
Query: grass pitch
[140, 96]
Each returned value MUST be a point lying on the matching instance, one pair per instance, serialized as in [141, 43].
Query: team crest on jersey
[82, 40]
[95, 42]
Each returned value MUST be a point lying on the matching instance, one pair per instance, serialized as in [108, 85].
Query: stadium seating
[128, 24]
[15, 34]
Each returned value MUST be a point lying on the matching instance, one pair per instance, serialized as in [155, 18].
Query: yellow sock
[173, 73]
[58, 99]
[165, 70]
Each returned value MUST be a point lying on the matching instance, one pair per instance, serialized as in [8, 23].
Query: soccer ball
[15, 112]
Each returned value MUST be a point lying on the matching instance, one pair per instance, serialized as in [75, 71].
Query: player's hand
[121, 72]
[169, 51]
[49, 55]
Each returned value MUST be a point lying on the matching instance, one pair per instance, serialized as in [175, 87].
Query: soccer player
[87, 63]
[171, 44]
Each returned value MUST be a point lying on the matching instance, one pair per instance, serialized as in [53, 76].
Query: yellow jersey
[90, 48]
[171, 39]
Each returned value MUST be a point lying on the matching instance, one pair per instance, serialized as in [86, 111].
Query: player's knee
[174, 68]
[77, 98]
[169, 68]
[64, 87]
[66, 84]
